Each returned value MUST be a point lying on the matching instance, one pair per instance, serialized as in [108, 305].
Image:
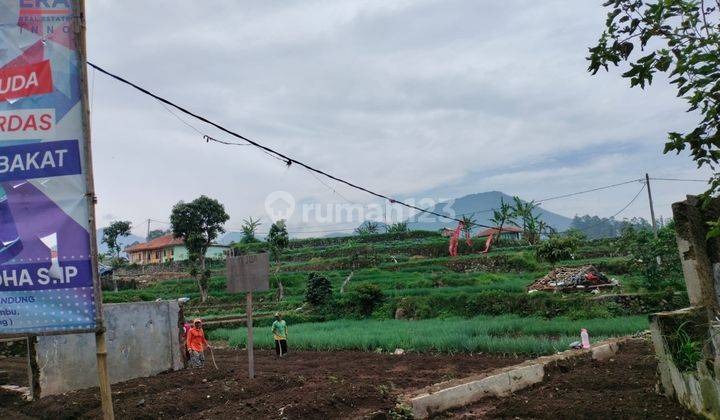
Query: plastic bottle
[585, 338]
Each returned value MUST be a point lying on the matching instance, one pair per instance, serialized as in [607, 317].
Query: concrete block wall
[696, 388]
[143, 339]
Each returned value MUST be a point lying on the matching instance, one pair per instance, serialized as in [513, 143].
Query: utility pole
[652, 209]
[147, 237]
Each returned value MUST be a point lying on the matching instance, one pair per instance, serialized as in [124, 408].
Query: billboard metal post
[100, 343]
[248, 273]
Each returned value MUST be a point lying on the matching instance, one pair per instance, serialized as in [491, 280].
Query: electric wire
[289, 160]
[616, 213]
[679, 179]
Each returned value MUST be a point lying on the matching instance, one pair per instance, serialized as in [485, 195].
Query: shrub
[657, 259]
[319, 289]
[366, 298]
[557, 248]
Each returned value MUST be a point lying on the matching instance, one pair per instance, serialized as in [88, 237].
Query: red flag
[454, 239]
[488, 242]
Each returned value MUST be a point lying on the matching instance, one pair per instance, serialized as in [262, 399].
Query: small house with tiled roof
[167, 248]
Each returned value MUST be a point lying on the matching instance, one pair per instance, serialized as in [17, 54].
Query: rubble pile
[572, 279]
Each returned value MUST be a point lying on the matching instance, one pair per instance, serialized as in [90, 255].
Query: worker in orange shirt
[196, 344]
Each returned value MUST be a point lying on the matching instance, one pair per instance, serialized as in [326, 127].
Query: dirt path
[621, 388]
[303, 385]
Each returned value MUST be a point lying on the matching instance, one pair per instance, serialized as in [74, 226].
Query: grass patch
[500, 334]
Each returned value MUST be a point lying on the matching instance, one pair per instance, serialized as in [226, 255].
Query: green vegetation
[319, 290]
[657, 259]
[557, 248]
[407, 279]
[501, 334]
[199, 223]
[679, 39]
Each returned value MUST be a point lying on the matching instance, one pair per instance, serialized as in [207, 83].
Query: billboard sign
[248, 273]
[46, 278]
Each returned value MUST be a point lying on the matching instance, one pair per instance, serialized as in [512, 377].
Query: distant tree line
[594, 227]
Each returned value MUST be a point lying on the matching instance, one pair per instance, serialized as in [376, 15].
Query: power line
[562, 196]
[679, 179]
[329, 187]
[617, 213]
[557, 197]
[630, 203]
[287, 159]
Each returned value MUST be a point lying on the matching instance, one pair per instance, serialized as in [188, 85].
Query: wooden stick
[250, 349]
[212, 354]
[100, 344]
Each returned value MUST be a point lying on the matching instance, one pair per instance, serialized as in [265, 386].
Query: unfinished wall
[693, 331]
[142, 338]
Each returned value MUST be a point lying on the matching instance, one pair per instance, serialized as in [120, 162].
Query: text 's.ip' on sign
[248, 273]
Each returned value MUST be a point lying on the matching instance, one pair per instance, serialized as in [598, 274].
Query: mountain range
[480, 206]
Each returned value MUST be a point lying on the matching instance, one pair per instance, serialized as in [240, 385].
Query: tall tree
[278, 240]
[199, 223]
[679, 37]
[501, 216]
[111, 235]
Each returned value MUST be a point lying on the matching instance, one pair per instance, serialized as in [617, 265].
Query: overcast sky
[410, 98]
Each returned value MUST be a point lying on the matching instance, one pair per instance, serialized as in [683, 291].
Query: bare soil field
[355, 384]
[302, 385]
[623, 387]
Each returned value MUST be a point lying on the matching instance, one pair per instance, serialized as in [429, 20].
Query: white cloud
[403, 97]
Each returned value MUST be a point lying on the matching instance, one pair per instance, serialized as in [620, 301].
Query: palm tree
[399, 227]
[544, 228]
[468, 223]
[501, 216]
[368, 228]
[524, 211]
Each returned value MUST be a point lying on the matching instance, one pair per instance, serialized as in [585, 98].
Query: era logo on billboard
[24, 81]
[47, 4]
[27, 124]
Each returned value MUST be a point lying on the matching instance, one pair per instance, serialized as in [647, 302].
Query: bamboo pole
[100, 343]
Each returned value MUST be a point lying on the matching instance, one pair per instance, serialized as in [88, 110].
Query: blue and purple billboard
[46, 279]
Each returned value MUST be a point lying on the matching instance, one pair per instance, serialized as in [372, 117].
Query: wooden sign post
[248, 273]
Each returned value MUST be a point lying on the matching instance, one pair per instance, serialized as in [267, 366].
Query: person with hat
[280, 333]
[196, 344]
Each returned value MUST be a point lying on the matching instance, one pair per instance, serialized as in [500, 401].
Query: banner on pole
[46, 278]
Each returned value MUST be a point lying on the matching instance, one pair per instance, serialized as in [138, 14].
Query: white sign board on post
[248, 274]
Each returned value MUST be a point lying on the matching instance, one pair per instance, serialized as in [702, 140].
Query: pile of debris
[573, 279]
